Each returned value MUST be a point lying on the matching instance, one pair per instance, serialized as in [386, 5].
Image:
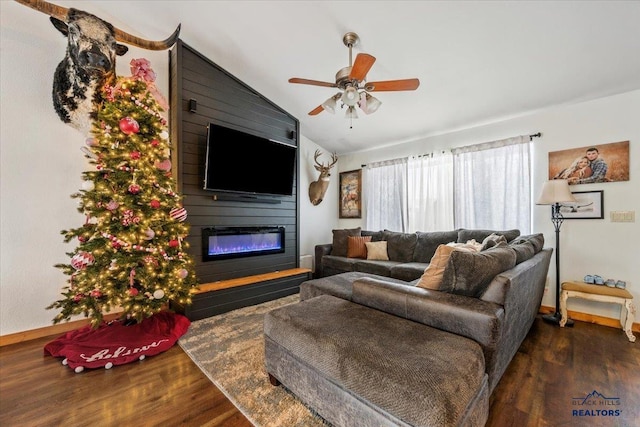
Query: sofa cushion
[356, 246]
[376, 236]
[537, 240]
[339, 263]
[469, 273]
[380, 267]
[427, 243]
[408, 271]
[340, 240]
[340, 285]
[524, 251]
[400, 246]
[377, 251]
[491, 240]
[479, 235]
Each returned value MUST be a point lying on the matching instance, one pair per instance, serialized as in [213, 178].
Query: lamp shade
[373, 104]
[330, 105]
[555, 191]
[350, 96]
[351, 113]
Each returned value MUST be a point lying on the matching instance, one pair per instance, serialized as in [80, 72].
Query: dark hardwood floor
[552, 367]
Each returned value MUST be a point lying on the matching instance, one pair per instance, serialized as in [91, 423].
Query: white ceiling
[478, 62]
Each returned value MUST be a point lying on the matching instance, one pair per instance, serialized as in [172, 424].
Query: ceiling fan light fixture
[330, 105]
[350, 96]
[351, 113]
[371, 104]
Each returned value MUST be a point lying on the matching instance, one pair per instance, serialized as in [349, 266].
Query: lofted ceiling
[477, 61]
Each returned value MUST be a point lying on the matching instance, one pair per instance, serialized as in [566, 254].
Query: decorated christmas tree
[131, 253]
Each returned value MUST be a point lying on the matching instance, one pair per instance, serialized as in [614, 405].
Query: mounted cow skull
[318, 187]
[90, 61]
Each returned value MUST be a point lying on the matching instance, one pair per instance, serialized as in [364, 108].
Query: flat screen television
[240, 162]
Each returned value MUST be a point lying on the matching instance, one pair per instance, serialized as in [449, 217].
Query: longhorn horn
[147, 44]
[61, 13]
[50, 9]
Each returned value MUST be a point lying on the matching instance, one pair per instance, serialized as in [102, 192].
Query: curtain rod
[531, 136]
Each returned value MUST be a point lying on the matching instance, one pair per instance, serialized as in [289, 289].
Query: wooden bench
[603, 294]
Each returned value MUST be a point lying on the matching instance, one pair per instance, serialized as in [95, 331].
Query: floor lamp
[554, 193]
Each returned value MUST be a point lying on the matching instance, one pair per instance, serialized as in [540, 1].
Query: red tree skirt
[116, 344]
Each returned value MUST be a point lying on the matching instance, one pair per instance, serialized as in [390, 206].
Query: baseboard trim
[591, 318]
[61, 328]
[46, 331]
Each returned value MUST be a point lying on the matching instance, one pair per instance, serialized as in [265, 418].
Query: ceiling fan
[354, 89]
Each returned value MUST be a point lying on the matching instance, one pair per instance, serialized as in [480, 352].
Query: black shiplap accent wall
[224, 99]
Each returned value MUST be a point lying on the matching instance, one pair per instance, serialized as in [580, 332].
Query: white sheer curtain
[430, 192]
[385, 194]
[493, 185]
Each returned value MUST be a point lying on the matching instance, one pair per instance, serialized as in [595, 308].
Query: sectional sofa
[365, 349]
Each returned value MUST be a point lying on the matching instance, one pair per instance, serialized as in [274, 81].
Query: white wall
[595, 246]
[316, 222]
[40, 167]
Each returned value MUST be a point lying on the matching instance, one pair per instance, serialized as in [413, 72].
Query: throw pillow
[469, 273]
[377, 251]
[432, 276]
[356, 246]
[340, 240]
[491, 240]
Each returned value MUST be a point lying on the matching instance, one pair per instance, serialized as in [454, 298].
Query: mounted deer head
[318, 187]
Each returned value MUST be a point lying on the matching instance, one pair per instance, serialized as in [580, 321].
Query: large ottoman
[357, 366]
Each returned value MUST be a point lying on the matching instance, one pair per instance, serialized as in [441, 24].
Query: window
[480, 186]
[492, 183]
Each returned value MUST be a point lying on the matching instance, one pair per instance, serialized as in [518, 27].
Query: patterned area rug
[229, 349]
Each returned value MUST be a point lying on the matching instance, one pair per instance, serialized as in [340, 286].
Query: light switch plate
[623, 216]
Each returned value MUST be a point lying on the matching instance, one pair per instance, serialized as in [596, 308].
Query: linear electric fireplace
[235, 242]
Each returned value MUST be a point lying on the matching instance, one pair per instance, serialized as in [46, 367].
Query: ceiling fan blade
[311, 82]
[361, 66]
[392, 85]
[316, 110]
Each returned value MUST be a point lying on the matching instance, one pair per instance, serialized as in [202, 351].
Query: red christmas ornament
[155, 143]
[134, 155]
[95, 293]
[129, 126]
[134, 189]
[133, 292]
[155, 204]
[173, 243]
[164, 165]
[77, 297]
[82, 260]
[179, 214]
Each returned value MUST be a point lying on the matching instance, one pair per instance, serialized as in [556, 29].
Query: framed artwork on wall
[591, 164]
[350, 193]
[589, 205]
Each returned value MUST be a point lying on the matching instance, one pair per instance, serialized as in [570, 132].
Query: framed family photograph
[350, 193]
[591, 164]
[589, 205]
